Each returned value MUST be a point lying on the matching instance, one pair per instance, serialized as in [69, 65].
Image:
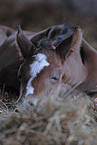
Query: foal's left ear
[25, 45]
[70, 45]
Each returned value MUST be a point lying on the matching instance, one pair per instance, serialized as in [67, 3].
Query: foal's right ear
[25, 45]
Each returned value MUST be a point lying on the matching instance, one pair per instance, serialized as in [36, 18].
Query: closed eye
[54, 78]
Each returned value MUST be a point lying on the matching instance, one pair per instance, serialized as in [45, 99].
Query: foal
[46, 67]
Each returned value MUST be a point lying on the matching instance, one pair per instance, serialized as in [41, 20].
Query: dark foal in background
[71, 61]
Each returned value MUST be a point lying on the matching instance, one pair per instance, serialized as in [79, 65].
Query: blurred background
[35, 15]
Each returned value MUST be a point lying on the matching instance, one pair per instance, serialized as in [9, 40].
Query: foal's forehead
[40, 60]
[43, 53]
[40, 57]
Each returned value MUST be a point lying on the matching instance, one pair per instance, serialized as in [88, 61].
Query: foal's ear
[70, 45]
[25, 45]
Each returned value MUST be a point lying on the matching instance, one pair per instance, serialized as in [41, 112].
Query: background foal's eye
[54, 78]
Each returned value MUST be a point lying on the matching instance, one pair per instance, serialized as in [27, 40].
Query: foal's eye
[54, 78]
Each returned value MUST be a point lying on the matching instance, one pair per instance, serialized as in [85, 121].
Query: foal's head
[41, 70]
[46, 65]
[43, 66]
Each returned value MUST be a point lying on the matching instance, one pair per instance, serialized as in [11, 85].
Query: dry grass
[54, 121]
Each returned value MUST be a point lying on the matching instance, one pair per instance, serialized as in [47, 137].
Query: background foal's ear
[25, 45]
[69, 45]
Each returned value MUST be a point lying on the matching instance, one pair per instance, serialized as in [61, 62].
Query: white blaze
[35, 68]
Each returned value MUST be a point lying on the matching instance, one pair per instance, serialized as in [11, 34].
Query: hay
[54, 121]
